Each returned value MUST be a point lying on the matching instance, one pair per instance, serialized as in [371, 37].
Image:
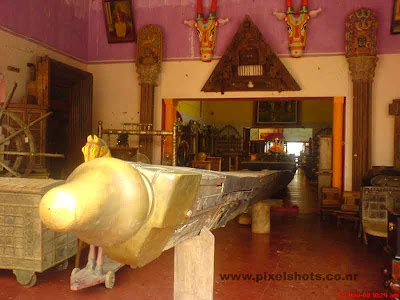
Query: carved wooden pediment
[249, 64]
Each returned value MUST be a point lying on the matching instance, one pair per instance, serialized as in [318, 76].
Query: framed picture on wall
[396, 17]
[276, 112]
[118, 16]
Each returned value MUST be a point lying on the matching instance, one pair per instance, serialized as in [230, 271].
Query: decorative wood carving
[148, 66]
[297, 25]
[361, 56]
[362, 68]
[394, 110]
[249, 64]
[149, 54]
[361, 33]
[206, 29]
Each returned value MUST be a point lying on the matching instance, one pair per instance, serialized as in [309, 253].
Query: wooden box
[26, 245]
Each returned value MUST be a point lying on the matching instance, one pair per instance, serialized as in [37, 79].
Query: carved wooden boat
[136, 211]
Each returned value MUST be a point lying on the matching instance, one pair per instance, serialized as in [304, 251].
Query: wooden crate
[26, 245]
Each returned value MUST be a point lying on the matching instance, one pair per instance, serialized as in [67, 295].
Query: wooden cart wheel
[25, 278]
[13, 166]
[110, 279]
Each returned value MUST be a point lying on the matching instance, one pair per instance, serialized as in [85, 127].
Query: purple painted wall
[326, 32]
[77, 26]
[61, 24]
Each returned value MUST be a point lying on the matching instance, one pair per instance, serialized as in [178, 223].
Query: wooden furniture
[211, 163]
[330, 202]
[124, 153]
[324, 162]
[228, 141]
[350, 209]
[215, 163]
[352, 216]
[228, 146]
[230, 161]
[391, 270]
[201, 164]
[374, 212]
[26, 245]
[67, 92]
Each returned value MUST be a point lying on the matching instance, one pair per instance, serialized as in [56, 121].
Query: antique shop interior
[199, 149]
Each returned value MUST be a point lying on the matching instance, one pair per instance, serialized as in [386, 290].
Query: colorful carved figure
[206, 29]
[361, 33]
[297, 25]
[95, 148]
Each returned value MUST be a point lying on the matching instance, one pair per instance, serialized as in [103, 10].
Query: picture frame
[276, 112]
[120, 25]
[395, 28]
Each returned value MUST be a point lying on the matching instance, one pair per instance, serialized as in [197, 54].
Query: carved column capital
[149, 73]
[362, 68]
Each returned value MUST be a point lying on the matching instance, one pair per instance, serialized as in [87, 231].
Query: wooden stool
[261, 213]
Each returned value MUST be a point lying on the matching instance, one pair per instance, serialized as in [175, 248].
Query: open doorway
[314, 117]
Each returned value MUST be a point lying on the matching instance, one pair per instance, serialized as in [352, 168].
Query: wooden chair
[330, 202]
[373, 212]
[349, 209]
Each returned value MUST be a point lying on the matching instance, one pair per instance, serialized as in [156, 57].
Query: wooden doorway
[169, 112]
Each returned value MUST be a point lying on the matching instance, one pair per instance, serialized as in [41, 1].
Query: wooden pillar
[146, 117]
[170, 119]
[394, 110]
[194, 268]
[148, 66]
[362, 59]
[337, 157]
[362, 69]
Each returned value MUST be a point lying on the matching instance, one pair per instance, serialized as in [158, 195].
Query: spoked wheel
[19, 146]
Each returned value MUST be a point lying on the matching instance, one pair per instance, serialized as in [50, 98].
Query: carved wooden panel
[361, 33]
[249, 64]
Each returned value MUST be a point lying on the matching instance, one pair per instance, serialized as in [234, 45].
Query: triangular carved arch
[249, 64]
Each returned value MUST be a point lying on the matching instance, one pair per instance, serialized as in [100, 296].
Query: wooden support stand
[194, 268]
[261, 214]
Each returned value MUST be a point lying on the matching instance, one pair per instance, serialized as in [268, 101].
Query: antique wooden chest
[26, 245]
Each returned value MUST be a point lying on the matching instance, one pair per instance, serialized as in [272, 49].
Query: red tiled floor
[303, 245]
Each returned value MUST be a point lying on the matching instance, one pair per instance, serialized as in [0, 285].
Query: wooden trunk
[26, 245]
